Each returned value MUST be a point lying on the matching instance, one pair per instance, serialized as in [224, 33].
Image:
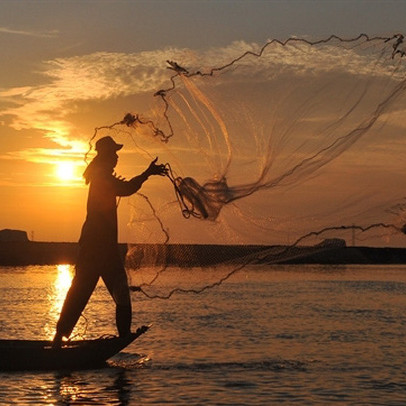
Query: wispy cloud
[104, 76]
[38, 34]
[98, 76]
[46, 156]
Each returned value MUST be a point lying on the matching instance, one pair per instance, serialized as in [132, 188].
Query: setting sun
[66, 171]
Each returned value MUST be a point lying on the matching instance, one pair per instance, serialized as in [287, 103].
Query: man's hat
[107, 144]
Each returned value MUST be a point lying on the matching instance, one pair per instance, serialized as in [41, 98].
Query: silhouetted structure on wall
[13, 235]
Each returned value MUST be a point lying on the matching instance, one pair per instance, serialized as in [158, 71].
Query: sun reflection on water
[69, 391]
[63, 279]
[56, 296]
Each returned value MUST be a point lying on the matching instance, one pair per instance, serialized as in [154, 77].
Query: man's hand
[154, 169]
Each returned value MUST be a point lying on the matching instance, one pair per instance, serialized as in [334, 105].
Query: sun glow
[66, 171]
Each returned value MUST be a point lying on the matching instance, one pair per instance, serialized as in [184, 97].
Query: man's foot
[57, 341]
[125, 335]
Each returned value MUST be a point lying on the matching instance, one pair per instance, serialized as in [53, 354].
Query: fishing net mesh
[276, 154]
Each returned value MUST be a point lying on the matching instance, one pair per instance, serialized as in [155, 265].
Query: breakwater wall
[51, 253]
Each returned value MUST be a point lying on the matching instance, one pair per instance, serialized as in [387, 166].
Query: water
[305, 335]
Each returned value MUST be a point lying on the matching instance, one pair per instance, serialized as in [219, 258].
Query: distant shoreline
[13, 253]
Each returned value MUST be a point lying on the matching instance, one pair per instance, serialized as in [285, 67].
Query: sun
[66, 171]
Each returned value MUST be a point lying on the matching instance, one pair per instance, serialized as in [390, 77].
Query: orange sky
[67, 71]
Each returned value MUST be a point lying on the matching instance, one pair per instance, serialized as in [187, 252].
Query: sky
[68, 67]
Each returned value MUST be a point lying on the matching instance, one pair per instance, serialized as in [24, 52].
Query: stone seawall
[51, 253]
[15, 253]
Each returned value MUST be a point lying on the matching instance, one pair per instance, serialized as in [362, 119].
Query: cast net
[275, 154]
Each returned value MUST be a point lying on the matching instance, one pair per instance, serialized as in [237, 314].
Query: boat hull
[17, 355]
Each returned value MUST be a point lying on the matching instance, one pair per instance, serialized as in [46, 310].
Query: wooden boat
[17, 355]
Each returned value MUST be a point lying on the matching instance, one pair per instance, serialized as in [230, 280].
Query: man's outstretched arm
[127, 188]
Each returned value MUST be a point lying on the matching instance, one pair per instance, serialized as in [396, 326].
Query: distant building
[13, 235]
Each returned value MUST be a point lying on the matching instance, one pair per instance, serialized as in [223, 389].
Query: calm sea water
[305, 335]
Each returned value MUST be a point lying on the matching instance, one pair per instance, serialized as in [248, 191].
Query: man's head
[107, 149]
[107, 144]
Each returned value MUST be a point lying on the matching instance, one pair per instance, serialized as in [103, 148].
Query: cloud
[105, 76]
[38, 34]
[46, 155]
[93, 77]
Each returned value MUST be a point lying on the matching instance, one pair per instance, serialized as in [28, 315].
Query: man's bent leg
[123, 320]
[117, 284]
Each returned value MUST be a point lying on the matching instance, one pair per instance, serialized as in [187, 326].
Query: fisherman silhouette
[99, 254]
